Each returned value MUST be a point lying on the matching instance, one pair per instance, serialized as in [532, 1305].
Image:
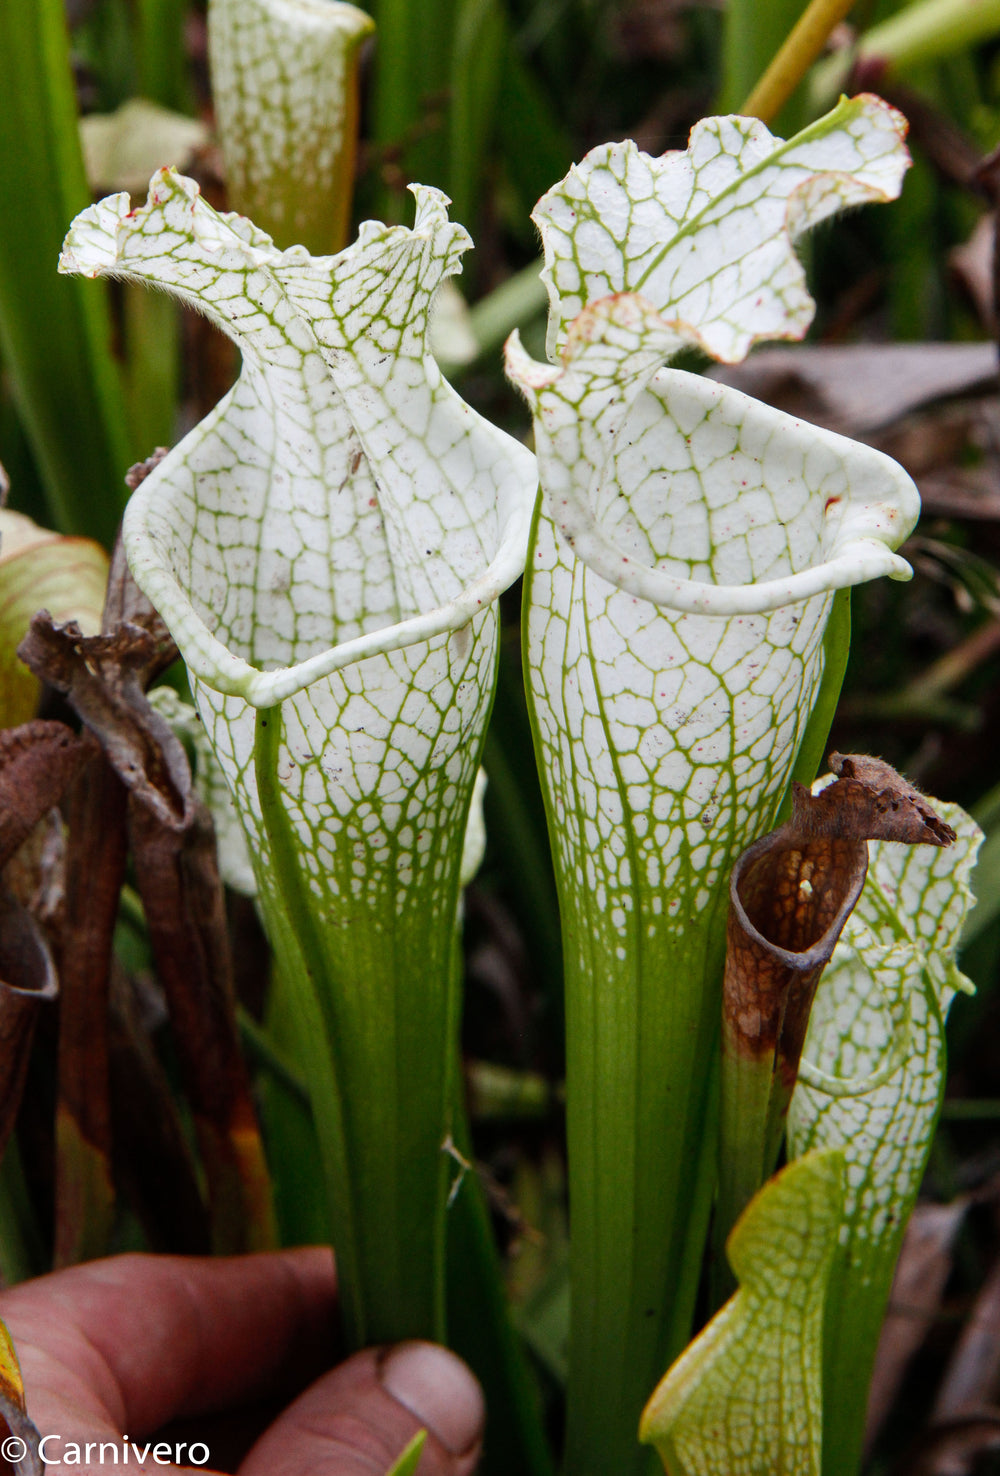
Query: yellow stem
[796, 55]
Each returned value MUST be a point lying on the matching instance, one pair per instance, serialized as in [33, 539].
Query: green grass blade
[752, 36]
[289, 1129]
[412, 75]
[55, 334]
[511, 305]
[160, 53]
[836, 651]
[152, 378]
[480, 41]
[535, 144]
[407, 1463]
[22, 1253]
[479, 1328]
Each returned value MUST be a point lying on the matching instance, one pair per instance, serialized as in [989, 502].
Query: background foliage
[492, 100]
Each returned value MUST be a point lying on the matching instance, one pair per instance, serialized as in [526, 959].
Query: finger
[356, 1420]
[129, 1343]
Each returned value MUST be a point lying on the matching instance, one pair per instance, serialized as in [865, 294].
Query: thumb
[357, 1419]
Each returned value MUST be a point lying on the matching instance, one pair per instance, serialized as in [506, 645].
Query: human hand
[124, 1347]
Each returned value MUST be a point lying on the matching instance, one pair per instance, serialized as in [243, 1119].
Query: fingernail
[437, 1387]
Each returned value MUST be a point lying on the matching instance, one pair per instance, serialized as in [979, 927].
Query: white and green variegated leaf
[682, 572]
[666, 737]
[746, 1398]
[707, 235]
[285, 92]
[893, 970]
[342, 499]
[327, 548]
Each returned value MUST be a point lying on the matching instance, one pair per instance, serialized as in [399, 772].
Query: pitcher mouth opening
[692, 496]
[854, 545]
[213, 663]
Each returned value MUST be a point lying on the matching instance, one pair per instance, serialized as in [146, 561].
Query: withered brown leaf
[791, 893]
[173, 848]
